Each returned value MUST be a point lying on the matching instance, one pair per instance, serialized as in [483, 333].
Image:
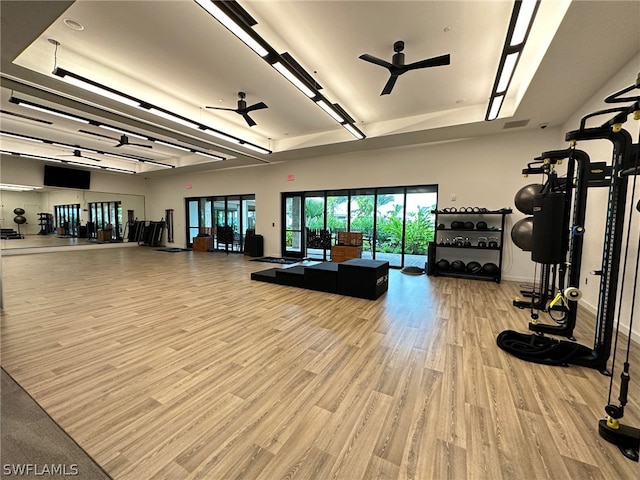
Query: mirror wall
[44, 200]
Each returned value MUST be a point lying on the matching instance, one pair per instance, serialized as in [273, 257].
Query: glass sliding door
[337, 213]
[389, 236]
[205, 216]
[292, 241]
[362, 218]
[396, 222]
[317, 236]
[193, 221]
[419, 225]
[233, 221]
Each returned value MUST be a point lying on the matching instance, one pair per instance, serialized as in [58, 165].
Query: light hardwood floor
[178, 366]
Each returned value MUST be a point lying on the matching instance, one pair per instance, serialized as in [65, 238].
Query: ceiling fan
[77, 153]
[243, 109]
[122, 141]
[397, 66]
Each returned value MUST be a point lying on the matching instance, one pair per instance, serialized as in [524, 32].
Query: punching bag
[547, 238]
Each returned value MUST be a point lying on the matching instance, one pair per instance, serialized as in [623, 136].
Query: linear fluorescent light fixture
[353, 131]
[210, 155]
[119, 130]
[49, 110]
[94, 87]
[18, 188]
[522, 17]
[236, 28]
[172, 117]
[171, 145]
[325, 106]
[256, 148]
[286, 73]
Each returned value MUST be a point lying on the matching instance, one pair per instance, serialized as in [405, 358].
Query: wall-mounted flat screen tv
[66, 177]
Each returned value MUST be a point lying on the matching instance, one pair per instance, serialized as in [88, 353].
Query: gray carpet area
[33, 445]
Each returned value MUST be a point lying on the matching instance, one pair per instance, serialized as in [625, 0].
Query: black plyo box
[292, 276]
[322, 277]
[363, 278]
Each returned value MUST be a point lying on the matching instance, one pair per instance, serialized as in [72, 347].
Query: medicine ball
[442, 265]
[468, 225]
[490, 269]
[18, 211]
[524, 197]
[474, 267]
[457, 225]
[441, 226]
[481, 225]
[20, 220]
[458, 266]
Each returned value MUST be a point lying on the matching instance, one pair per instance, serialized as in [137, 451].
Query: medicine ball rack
[451, 224]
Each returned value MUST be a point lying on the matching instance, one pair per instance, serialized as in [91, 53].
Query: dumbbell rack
[495, 220]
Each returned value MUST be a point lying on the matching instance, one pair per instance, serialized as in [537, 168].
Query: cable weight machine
[538, 348]
[554, 265]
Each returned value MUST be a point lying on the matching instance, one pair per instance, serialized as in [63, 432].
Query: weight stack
[548, 219]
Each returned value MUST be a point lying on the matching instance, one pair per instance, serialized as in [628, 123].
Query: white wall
[483, 171]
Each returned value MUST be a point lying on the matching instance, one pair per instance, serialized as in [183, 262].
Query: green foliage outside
[419, 224]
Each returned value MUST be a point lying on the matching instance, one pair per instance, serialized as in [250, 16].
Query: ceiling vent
[516, 124]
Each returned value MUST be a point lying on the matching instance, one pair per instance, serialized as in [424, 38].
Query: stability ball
[18, 211]
[522, 234]
[524, 197]
[20, 220]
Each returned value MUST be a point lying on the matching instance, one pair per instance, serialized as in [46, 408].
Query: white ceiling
[174, 55]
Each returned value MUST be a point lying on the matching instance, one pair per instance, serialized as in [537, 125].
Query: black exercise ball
[481, 225]
[458, 266]
[490, 269]
[457, 225]
[20, 220]
[443, 265]
[522, 234]
[524, 197]
[441, 226]
[474, 267]
[468, 225]
[18, 211]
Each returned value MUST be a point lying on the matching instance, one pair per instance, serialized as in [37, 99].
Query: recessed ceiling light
[73, 24]
[448, 28]
[461, 100]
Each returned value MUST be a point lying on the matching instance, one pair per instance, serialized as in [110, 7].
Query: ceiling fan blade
[430, 62]
[222, 108]
[378, 61]
[249, 120]
[91, 158]
[389, 86]
[139, 145]
[257, 106]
